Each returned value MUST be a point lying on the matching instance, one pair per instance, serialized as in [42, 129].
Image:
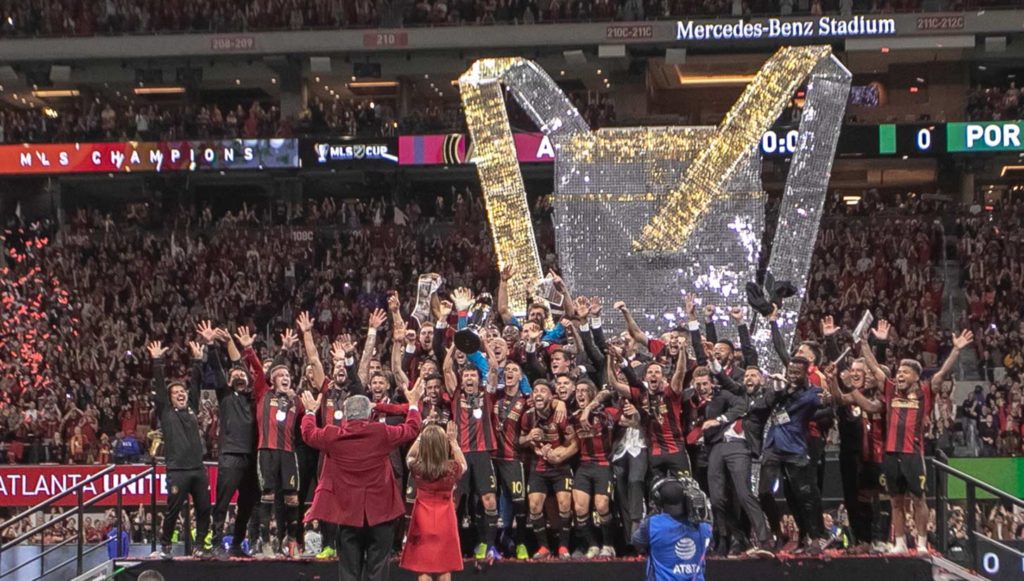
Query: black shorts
[479, 476]
[675, 465]
[593, 479]
[552, 481]
[278, 471]
[511, 478]
[870, 478]
[903, 473]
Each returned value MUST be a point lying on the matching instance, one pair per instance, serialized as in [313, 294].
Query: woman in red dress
[432, 547]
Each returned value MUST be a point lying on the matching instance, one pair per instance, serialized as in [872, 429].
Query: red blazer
[357, 484]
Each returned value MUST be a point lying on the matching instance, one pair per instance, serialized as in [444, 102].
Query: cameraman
[676, 537]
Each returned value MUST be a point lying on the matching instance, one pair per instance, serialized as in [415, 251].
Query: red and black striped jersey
[872, 437]
[507, 411]
[595, 436]
[662, 413]
[474, 418]
[277, 418]
[555, 434]
[905, 415]
[440, 413]
[331, 412]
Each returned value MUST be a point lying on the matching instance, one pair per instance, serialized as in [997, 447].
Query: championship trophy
[468, 339]
[649, 214]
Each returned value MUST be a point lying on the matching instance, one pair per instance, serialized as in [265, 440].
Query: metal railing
[942, 473]
[79, 512]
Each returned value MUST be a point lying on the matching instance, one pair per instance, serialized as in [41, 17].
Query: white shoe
[922, 544]
[900, 548]
[607, 552]
[593, 553]
[881, 547]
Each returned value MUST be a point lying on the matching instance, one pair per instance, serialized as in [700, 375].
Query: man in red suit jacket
[357, 489]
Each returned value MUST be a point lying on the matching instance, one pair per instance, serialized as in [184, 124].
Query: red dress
[432, 544]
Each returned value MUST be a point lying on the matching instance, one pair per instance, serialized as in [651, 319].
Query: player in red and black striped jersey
[551, 443]
[907, 404]
[594, 424]
[473, 413]
[509, 407]
[277, 414]
[661, 404]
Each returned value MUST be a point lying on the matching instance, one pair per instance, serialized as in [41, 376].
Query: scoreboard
[911, 140]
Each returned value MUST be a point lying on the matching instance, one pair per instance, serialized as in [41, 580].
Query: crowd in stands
[993, 103]
[21, 18]
[96, 120]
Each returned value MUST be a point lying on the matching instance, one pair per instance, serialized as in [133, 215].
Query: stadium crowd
[96, 120]
[21, 18]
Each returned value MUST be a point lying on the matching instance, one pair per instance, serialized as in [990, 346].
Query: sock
[539, 531]
[604, 521]
[263, 514]
[490, 527]
[281, 518]
[295, 524]
[521, 522]
[584, 532]
[564, 529]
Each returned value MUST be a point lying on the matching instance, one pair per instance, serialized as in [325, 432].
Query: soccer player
[907, 404]
[278, 411]
[551, 443]
[594, 424]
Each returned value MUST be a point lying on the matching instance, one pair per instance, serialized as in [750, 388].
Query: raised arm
[611, 361]
[252, 361]
[679, 373]
[778, 343]
[451, 383]
[398, 342]
[161, 398]
[377, 318]
[632, 328]
[195, 375]
[959, 343]
[746, 344]
[305, 324]
[503, 310]
[872, 363]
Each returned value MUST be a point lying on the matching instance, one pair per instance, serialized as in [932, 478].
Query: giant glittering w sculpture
[648, 214]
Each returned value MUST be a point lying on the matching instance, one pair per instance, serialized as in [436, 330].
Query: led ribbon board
[648, 214]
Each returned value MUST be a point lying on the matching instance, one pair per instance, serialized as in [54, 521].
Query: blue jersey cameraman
[676, 537]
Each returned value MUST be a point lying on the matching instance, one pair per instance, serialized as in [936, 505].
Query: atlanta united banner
[29, 485]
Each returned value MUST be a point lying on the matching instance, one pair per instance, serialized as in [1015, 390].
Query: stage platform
[830, 567]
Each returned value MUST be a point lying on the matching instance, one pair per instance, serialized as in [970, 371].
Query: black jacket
[236, 411]
[183, 446]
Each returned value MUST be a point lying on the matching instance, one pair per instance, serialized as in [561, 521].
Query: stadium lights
[1008, 168]
[713, 80]
[159, 90]
[55, 93]
[373, 84]
[851, 200]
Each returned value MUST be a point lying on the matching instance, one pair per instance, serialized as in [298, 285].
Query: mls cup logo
[649, 214]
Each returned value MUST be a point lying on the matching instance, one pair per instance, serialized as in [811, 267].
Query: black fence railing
[974, 558]
[81, 505]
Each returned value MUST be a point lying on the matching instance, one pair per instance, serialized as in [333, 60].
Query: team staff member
[551, 442]
[176, 407]
[908, 402]
[236, 464]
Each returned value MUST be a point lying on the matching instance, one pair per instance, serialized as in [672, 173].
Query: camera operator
[676, 537]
